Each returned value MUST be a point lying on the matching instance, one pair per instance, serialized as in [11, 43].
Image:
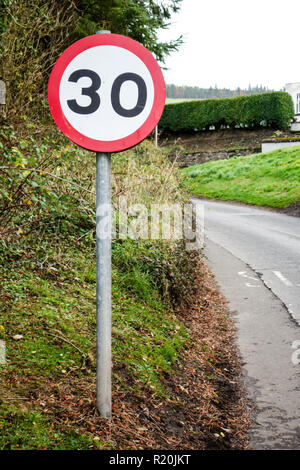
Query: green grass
[178, 100]
[268, 179]
[51, 309]
[21, 429]
[45, 305]
[48, 286]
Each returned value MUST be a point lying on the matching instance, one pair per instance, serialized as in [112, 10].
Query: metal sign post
[2, 92]
[103, 210]
[156, 136]
[103, 275]
[106, 93]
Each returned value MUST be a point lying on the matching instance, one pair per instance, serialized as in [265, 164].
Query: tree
[33, 33]
[175, 91]
[139, 19]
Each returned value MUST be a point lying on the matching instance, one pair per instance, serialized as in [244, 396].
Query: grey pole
[103, 222]
[103, 237]
[156, 136]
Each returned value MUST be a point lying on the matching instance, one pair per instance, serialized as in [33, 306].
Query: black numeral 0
[115, 93]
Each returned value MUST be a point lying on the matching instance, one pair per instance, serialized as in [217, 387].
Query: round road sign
[106, 92]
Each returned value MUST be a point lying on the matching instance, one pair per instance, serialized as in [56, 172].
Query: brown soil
[293, 209]
[190, 149]
[206, 405]
[225, 139]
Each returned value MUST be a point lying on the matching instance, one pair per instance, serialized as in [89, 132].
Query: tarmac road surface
[254, 254]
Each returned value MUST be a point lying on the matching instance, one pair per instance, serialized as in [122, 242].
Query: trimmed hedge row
[272, 109]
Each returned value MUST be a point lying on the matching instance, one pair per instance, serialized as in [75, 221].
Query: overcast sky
[233, 43]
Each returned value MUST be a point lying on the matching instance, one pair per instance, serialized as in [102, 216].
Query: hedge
[272, 109]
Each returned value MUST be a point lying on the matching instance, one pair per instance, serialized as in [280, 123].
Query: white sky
[233, 43]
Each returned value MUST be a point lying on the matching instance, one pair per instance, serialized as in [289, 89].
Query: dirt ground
[224, 139]
[293, 209]
[204, 146]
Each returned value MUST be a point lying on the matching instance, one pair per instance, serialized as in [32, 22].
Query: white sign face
[106, 92]
[108, 63]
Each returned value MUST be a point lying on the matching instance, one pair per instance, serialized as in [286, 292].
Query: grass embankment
[268, 179]
[48, 318]
[47, 278]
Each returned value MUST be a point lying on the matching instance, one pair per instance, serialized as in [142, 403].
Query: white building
[294, 90]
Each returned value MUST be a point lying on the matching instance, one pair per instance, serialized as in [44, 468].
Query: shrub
[32, 35]
[273, 109]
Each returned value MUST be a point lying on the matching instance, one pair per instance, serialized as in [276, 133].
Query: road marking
[248, 284]
[244, 274]
[296, 354]
[283, 279]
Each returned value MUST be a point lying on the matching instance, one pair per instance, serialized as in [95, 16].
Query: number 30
[91, 92]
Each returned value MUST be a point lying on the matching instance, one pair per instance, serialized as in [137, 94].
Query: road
[255, 256]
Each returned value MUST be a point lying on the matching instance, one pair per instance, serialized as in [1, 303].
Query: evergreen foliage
[194, 92]
[138, 19]
[33, 33]
[274, 109]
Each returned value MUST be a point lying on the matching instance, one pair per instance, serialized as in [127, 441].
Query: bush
[32, 35]
[273, 109]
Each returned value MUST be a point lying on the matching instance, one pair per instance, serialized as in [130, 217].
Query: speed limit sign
[106, 92]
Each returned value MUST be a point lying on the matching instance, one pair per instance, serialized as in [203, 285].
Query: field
[268, 179]
[178, 100]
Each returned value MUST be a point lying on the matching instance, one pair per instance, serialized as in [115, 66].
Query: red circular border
[110, 40]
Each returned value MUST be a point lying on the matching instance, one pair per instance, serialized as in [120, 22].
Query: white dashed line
[244, 274]
[248, 284]
[283, 279]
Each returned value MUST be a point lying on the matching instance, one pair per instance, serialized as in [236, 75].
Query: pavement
[254, 254]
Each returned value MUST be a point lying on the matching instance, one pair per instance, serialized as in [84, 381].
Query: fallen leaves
[204, 407]
[18, 337]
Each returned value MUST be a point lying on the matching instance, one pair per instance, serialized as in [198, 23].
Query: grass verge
[48, 279]
[268, 179]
